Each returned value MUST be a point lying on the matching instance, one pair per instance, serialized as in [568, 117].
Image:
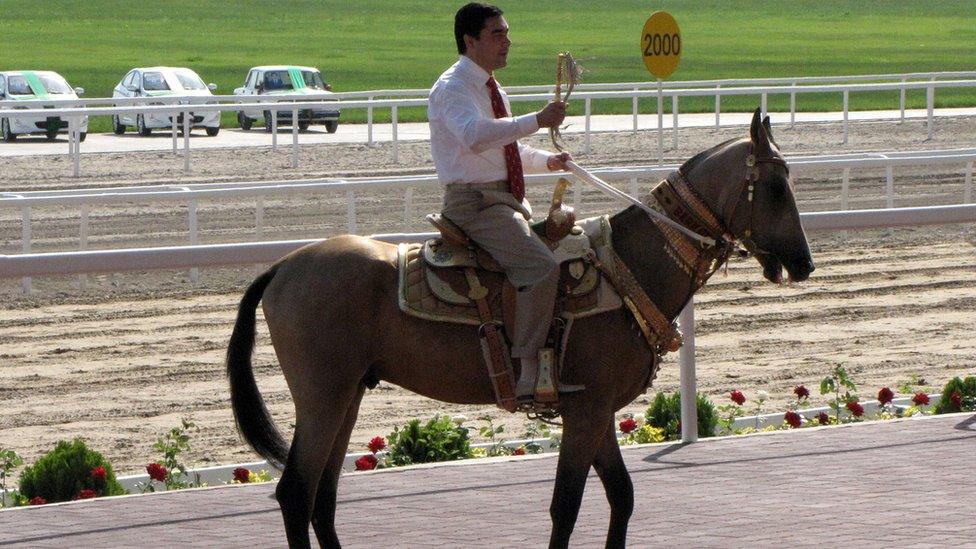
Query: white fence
[587, 93]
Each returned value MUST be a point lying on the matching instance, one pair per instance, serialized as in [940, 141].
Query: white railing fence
[634, 91]
[192, 195]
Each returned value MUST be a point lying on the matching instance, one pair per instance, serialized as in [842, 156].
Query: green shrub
[67, 470]
[966, 388]
[665, 413]
[439, 440]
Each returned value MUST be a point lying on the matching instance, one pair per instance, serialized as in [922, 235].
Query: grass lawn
[387, 44]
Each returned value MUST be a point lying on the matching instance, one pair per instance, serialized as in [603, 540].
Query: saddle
[451, 279]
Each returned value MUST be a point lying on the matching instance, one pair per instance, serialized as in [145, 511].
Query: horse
[332, 312]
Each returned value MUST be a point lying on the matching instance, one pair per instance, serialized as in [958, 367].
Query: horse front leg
[582, 435]
[609, 464]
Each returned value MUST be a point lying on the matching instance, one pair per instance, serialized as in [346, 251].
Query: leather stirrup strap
[499, 367]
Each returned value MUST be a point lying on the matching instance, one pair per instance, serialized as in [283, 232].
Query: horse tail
[253, 420]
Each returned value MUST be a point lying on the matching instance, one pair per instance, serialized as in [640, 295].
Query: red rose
[792, 418]
[37, 500]
[801, 392]
[737, 397]
[86, 494]
[956, 399]
[920, 399]
[627, 425]
[242, 475]
[885, 395]
[823, 418]
[98, 473]
[856, 409]
[366, 463]
[156, 472]
[520, 451]
[377, 444]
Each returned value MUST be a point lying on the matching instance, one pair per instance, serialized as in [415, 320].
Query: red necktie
[513, 163]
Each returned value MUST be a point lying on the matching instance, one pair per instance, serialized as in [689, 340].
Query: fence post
[407, 205]
[274, 130]
[660, 122]
[586, 132]
[764, 103]
[369, 122]
[176, 147]
[930, 104]
[25, 235]
[689, 390]
[718, 103]
[793, 107]
[634, 189]
[259, 218]
[845, 189]
[889, 188]
[294, 137]
[351, 212]
[194, 237]
[635, 109]
[83, 241]
[77, 158]
[674, 116]
[846, 129]
[186, 143]
[902, 94]
[393, 115]
[968, 192]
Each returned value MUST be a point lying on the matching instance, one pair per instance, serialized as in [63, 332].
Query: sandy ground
[119, 359]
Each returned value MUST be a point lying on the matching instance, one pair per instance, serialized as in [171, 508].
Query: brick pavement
[899, 483]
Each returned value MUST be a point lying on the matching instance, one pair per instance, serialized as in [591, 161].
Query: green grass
[387, 44]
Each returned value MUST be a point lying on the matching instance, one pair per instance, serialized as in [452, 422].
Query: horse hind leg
[323, 513]
[316, 431]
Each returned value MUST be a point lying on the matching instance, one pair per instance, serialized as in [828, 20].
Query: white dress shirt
[466, 140]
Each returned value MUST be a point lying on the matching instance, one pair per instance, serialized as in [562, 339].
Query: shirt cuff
[527, 124]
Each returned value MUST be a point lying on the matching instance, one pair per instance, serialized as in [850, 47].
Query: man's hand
[552, 115]
[557, 162]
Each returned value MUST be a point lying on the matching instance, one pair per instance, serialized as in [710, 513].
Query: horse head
[747, 184]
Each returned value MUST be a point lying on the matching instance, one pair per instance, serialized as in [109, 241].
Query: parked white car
[282, 80]
[31, 85]
[152, 82]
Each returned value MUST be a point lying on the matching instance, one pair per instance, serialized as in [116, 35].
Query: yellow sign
[661, 44]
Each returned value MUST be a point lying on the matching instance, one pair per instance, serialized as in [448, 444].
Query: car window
[54, 84]
[3, 84]
[189, 80]
[251, 79]
[129, 78]
[18, 86]
[154, 81]
[313, 79]
[277, 80]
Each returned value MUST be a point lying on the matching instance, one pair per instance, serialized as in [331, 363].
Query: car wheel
[118, 128]
[244, 121]
[331, 126]
[8, 135]
[82, 136]
[267, 121]
[141, 124]
[51, 136]
[302, 126]
[212, 132]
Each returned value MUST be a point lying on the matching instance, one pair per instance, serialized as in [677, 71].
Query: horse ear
[769, 130]
[757, 132]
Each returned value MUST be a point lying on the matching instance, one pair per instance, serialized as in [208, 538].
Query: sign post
[661, 50]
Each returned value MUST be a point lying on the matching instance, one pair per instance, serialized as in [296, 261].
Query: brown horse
[334, 320]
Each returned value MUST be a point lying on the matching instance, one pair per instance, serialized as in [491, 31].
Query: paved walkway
[908, 483]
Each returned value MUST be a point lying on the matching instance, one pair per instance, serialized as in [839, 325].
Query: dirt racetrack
[122, 359]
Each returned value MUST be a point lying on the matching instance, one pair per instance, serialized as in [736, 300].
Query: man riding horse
[473, 140]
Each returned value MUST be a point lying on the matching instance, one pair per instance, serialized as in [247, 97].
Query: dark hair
[470, 19]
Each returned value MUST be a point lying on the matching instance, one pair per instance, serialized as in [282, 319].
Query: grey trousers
[491, 216]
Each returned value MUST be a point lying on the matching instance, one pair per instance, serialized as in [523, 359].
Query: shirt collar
[473, 70]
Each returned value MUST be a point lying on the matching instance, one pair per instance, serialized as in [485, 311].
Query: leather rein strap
[682, 203]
